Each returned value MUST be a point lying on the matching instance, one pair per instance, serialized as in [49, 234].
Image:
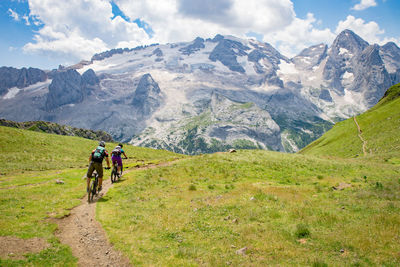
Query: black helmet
[102, 143]
[120, 145]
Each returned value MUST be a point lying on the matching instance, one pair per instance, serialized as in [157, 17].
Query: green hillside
[23, 150]
[380, 128]
[55, 128]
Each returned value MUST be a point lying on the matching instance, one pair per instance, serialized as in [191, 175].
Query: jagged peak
[349, 40]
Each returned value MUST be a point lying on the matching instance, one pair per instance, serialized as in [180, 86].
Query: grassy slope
[23, 150]
[184, 215]
[31, 162]
[380, 127]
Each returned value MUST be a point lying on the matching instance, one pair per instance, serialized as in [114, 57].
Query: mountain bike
[93, 186]
[114, 173]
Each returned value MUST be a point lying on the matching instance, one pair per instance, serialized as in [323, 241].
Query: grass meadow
[282, 208]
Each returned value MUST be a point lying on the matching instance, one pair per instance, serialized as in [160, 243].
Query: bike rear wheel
[92, 190]
[114, 175]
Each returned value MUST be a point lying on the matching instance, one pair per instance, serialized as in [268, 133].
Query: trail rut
[364, 142]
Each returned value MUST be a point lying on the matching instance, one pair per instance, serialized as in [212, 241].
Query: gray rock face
[310, 57]
[197, 45]
[12, 77]
[147, 97]
[346, 45]
[370, 72]
[257, 98]
[66, 88]
[227, 51]
[390, 54]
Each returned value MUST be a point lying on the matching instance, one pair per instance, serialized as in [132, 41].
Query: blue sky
[47, 33]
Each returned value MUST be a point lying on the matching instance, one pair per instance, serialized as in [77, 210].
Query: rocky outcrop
[69, 87]
[310, 57]
[346, 46]
[147, 97]
[227, 51]
[195, 46]
[66, 88]
[369, 72]
[20, 78]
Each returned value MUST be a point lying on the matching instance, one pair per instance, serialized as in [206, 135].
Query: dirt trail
[364, 146]
[86, 237]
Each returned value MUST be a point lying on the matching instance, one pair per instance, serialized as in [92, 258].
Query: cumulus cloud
[13, 14]
[301, 33]
[369, 31]
[364, 4]
[79, 28]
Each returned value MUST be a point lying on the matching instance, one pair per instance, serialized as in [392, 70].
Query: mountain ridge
[303, 95]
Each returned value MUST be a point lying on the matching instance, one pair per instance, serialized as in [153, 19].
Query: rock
[236, 221]
[227, 217]
[342, 250]
[242, 251]
[232, 150]
[341, 186]
[252, 198]
[59, 181]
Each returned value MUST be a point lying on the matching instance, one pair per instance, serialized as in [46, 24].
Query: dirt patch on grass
[15, 248]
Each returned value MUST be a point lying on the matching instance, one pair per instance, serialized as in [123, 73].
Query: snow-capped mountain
[209, 95]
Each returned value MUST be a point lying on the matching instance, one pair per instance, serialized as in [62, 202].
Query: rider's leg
[99, 170]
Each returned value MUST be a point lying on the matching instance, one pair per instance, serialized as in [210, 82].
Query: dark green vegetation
[50, 127]
[380, 129]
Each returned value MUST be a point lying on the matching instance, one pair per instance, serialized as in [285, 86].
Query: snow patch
[348, 75]
[343, 51]
[286, 68]
[12, 92]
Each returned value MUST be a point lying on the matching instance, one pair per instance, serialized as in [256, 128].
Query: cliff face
[20, 78]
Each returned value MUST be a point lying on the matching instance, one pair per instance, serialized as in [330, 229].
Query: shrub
[318, 263]
[302, 231]
[192, 187]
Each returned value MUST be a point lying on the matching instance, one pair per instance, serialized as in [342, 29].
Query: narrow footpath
[364, 142]
[86, 237]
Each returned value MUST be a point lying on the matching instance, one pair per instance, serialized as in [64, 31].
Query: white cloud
[364, 4]
[299, 35]
[369, 31]
[79, 28]
[13, 14]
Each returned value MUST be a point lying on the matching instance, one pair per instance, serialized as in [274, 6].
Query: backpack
[98, 154]
[117, 151]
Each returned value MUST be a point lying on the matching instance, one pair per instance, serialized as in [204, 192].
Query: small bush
[302, 231]
[378, 185]
[320, 177]
[192, 187]
[211, 186]
[318, 263]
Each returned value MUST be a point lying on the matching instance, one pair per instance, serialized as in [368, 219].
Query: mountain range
[209, 94]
